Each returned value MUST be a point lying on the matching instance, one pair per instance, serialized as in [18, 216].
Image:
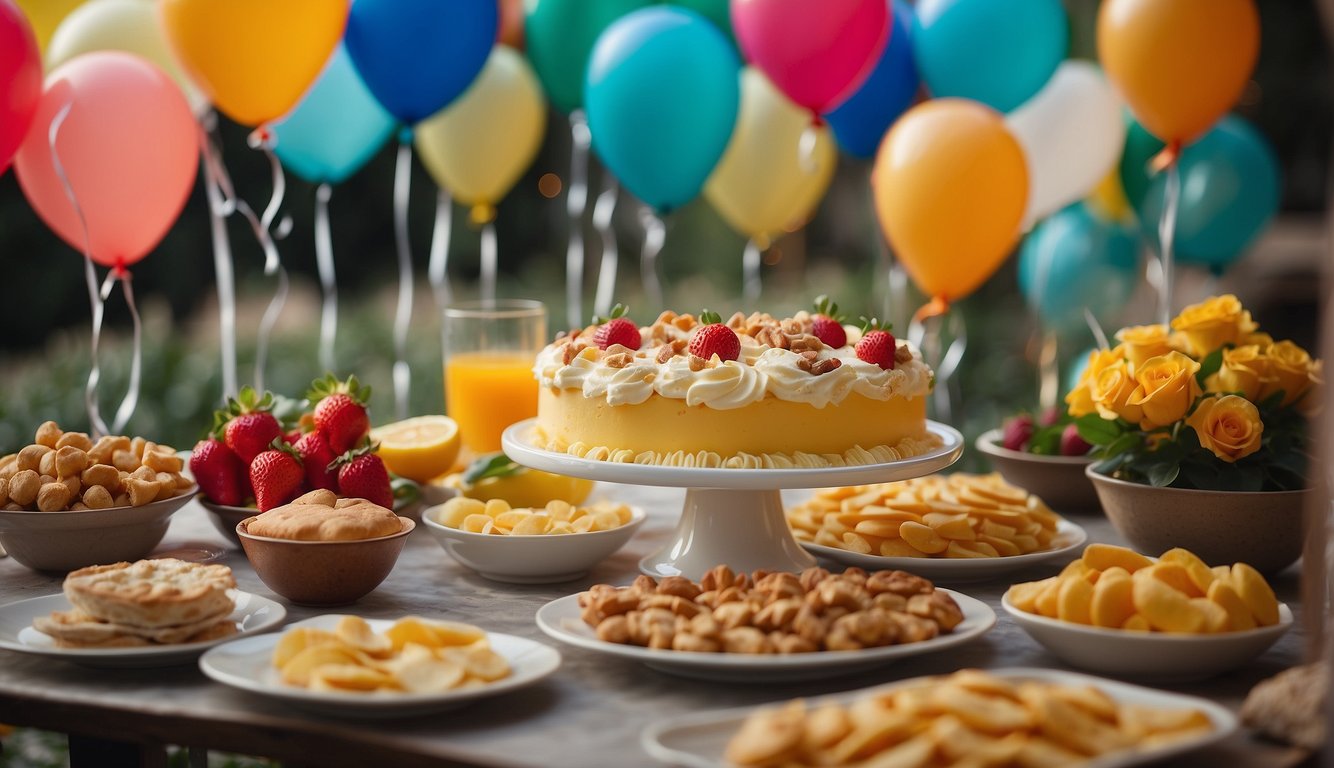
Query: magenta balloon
[129, 147]
[817, 52]
[20, 79]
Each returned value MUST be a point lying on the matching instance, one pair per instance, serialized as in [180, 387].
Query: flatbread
[152, 593]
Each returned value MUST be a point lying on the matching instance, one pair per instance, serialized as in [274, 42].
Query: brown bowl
[1057, 480]
[323, 572]
[1263, 529]
[225, 518]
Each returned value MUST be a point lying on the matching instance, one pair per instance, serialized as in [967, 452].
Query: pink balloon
[817, 52]
[129, 147]
[20, 79]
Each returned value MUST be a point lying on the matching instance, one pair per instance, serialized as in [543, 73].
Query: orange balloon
[1179, 64]
[254, 59]
[950, 186]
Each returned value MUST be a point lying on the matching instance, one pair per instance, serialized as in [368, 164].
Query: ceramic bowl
[64, 541]
[323, 572]
[225, 518]
[1263, 529]
[542, 559]
[1150, 656]
[1057, 480]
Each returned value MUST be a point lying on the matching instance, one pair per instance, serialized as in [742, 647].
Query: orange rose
[1142, 342]
[1111, 393]
[1165, 389]
[1213, 323]
[1243, 370]
[1290, 370]
[1079, 400]
[1229, 426]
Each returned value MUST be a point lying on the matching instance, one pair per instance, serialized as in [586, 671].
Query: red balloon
[20, 79]
[129, 147]
[818, 52]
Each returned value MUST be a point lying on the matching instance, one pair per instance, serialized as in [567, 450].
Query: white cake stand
[731, 516]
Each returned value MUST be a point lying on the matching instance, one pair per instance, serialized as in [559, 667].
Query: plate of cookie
[957, 527]
[151, 613]
[1002, 717]
[767, 627]
[347, 666]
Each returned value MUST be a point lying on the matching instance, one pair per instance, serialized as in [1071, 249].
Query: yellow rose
[1229, 426]
[1142, 342]
[1258, 338]
[1079, 401]
[1290, 369]
[1243, 370]
[1165, 389]
[1314, 402]
[1213, 323]
[1111, 393]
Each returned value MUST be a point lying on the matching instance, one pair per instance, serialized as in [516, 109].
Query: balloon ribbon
[223, 269]
[328, 282]
[490, 261]
[1169, 160]
[602, 214]
[655, 234]
[938, 306]
[403, 316]
[576, 200]
[263, 139]
[438, 269]
[750, 270]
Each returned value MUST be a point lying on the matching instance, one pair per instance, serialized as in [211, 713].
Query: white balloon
[1072, 133]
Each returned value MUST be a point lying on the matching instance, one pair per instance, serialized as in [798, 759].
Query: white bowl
[541, 559]
[1156, 656]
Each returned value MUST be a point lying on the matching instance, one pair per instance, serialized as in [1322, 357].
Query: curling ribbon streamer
[328, 282]
[925, 333]
[576, 200]
[403, 316]
[97, 298]
[489, 261]
[1049, 373]
[655, 234]
[603, 209]
[1166, 233]
[938, 306]
[262, 140]
[438, 269]
[806, 148]
[750, 271]
[1096, 329]
[224, 276]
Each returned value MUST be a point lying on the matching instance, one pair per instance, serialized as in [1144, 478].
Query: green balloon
[559, 36]
[717, 11]
[1141, 147]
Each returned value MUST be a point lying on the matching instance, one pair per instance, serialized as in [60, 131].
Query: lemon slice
[419, 448]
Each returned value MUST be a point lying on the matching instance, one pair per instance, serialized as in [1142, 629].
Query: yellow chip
[453, 512]
[560, 527]
[1215, 616]
[989, 714]
[1238, 614]
[496, 507]
[1166, 609]
[605, 520]
[855, 542]
[298, 639]
[885, 529]
[898, 548]
[1173, 575]
[584, 524]
[1100, 557]
[479, 661]
[1003, 547]
[355, 632]
[1025, 596]
[477, 523]
[1256, 593]
[424, 673]
[508, 520]
[923, 537]
[349, 677]
[1199, 572]
[1027, 543]
[300, 668]
[532, 525]
[1137, 623]
[559, 509]
[970, 549]
[1047, 602]
[1074, 600]
[1072, 726]
[951, 526]
[1113, 599]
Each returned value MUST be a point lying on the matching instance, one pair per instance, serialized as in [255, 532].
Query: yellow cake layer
[770, 426]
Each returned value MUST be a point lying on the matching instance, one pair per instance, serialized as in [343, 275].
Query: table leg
[89, 752]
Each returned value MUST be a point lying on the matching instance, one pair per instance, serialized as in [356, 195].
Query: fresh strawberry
[247, 424]
[877, 345]
[616, 329]
[220, 474]
[340, 411]
[1051, 416]
[316, 456]
[827, 325]
[1016, 432]
[1072, 444]
[714, 338]
[361, 475]
[277, 476]
[291, 436]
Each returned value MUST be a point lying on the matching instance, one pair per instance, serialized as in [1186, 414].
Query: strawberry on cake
[754, 392]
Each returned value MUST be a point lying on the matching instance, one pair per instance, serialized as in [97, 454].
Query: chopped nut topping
[791, 326]
[902, 354]
[684, 322]
[617, 349]
[737, 321]
[619, 359]
[665, 353]
[805, 341]
[772, 337]
[698, 363]
[825, 366]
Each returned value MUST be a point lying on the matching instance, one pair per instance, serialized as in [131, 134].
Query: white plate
[253, 614]
[247, 664]
[1069, 538]
[560, 619]
[1156, 656]
[699, 739]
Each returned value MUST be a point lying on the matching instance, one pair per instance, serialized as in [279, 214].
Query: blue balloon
[416, 56]
[662, 94]
[861, 122]
[1077, 368]
[1075, 259]
[1230, 190]
[998, 52]
[336, 127]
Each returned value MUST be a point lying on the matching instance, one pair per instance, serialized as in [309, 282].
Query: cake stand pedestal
[731, 516]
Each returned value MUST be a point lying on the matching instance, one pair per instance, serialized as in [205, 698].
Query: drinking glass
[490, 347]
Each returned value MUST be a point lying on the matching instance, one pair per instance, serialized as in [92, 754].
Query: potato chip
[1113, 599]
[532, 525]
[923, 538]
[355, 632]
[1074, 600]
[1256, 593]
[1100, 557]
[1166, 609]
[1239, 615]
[348, 677]
[299, 669]
[1199, 573]
[1173, 575]
[298, 639]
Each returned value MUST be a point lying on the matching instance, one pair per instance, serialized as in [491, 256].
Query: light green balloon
[558, 38]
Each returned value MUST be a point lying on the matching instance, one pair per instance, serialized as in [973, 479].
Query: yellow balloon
[950, 186]
[46, 15]
[254, 59]
[762, 185]
[1108, 199]
[479, 146]
[119, 25]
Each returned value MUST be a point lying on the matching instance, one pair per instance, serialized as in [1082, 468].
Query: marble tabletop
[591, 712]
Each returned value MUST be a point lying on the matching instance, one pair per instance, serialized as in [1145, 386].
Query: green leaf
[1162, 475]
[490, 465]
[1046, 441]
[1098, 431]
[1127, 441]
[1209, 365]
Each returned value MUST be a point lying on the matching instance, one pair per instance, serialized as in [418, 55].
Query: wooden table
[590, 712]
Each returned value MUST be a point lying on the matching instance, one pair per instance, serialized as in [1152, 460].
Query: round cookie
[318, 516]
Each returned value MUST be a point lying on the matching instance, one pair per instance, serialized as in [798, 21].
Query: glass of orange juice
[490, 347]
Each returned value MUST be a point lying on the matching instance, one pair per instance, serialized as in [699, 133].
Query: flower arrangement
[1211, 404]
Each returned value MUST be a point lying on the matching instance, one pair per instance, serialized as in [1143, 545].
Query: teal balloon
[335, 128]
[1230, 191]
[998, 52]
[663, 90]
[1141, 147]
[1074, 260]
[717, 11]
[559, 37]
